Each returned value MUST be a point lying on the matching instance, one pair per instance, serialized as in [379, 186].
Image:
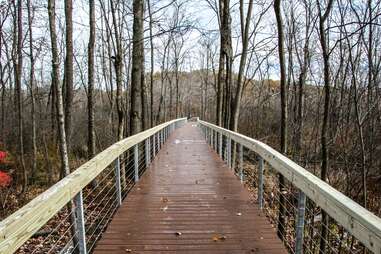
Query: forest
[301, 76]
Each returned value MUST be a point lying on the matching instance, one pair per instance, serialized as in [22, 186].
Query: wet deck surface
[189, 202]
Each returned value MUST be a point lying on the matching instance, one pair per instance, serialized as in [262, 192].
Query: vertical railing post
[225, 142]
[211, 137]
[260, 182]
[136, 162]
[241, 162]
[160, 138]
[117, 182]
[220, 144]
[154, 145]
[229, 160]
[158, 141]
[147, 147]
[215, 141]
[300, 223]
[80, 221]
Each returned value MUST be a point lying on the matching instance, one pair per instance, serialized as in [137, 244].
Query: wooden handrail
[21, 225]
[360, 222]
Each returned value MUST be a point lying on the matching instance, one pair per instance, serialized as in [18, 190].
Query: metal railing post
[136, 162]
[211, 137]
[80, 221]
[260, 182]
[241, 162]
[225, 142]
[147, 146]
[229, 160]
[300, 223]
[117, 182]
[220, 144]
[215, 140]
[154, 145]
[158, 141]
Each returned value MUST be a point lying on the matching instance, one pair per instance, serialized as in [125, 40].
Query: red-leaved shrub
[3, 155]
[5, 180]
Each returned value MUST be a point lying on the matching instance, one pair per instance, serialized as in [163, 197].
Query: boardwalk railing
[305, 199]
[71, 215]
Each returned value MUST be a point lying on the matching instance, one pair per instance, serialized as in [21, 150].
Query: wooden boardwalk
[189, 202]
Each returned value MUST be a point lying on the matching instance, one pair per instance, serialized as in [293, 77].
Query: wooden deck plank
[189, 189]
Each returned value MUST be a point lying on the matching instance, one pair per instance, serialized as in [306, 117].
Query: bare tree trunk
[225, 65]
[151, 62]
[163, 74]
[221, 69]
[118, 64]
[2, 86]
[177, 87]
[68, 69]
[324, 135]
[90, 88]
[283, 127]
[245, 26]
[301, 84]
[137, 58]
[143, 92]
[60, 112]
[18, 76]
[32, 96]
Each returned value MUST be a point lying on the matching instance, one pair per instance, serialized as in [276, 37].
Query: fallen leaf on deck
[239, 214]
[217, 238]
[164, 208]
[128, 250]
[164, 199]
[222, 238]
[178, 233]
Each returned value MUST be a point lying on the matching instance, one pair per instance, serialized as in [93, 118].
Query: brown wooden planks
[190, 190]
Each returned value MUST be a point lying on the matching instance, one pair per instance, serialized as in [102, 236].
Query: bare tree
[136, 75]
[90, 86]
[69, 86]
[60, 109]
[118, 64]
[283, 124]
[32, 91]
[225, 62]
[245, 27]
[152, 62]
[324, 134]
[18, 76]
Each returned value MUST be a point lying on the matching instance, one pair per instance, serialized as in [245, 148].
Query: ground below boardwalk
[189, 202]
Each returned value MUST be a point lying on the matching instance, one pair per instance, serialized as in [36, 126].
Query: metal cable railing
[316, 218]
[72, 215]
